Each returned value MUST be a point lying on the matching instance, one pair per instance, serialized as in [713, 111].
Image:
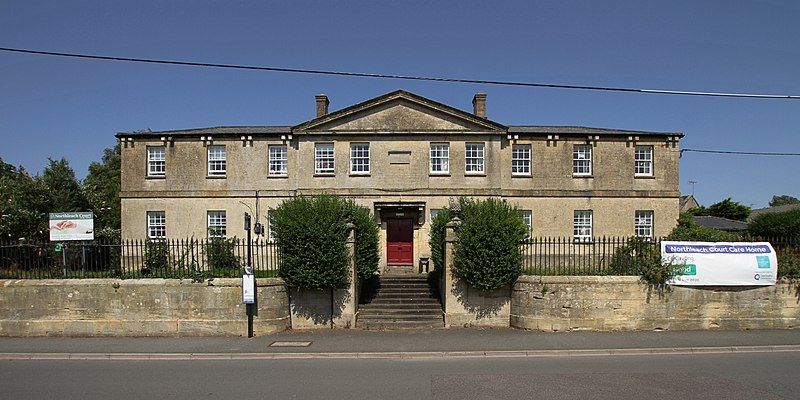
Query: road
[758, 375]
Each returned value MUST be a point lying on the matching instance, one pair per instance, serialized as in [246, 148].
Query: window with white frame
[278, 160]
[582, 160]
[643, 223]
[527, 217]
[643, 160]
[156, 225]
[217, 224]
[521, 159]
[359, 158]
[217, 161]
[156, 161]
[323, 158]
[440, 158]
[582, 225]
[473, 158]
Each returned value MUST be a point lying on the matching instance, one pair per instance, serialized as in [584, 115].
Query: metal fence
[174, 258]
[605, 255]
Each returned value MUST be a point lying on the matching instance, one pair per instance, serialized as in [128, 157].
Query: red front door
[400, 242]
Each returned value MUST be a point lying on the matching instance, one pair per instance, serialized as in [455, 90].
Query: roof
[395, 95]
[721, 224]
[775, 209]
[489, 124]
[215, 130]
[581, 130]
[688, 202]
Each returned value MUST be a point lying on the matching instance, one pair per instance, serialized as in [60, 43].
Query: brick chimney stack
[322, 104]
[479, 104]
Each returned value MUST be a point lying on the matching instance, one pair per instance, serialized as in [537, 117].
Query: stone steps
[401, 302]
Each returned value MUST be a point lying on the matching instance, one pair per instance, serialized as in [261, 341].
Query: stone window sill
[156, 177]
[583, 176]
[216, 176]
[284, 176]
[644, 177]
[324, 175]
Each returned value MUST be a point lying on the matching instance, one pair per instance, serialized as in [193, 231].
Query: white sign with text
[722, 263]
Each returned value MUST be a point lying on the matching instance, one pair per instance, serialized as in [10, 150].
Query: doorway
[400, 241]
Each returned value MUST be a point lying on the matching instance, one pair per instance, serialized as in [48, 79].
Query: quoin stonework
[405, 157]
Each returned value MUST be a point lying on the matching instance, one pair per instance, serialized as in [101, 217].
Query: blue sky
[64, 107]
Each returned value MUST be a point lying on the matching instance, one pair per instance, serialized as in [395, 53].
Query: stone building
[405, 157]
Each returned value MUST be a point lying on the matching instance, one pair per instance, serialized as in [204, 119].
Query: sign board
[66, 226]
[722, 263]
[248, 289]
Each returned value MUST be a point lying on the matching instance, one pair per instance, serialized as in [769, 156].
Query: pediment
[400, 112]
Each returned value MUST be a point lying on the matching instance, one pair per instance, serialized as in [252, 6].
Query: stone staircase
[400, 302]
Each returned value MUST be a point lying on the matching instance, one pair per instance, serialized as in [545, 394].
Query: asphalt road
[708, 376]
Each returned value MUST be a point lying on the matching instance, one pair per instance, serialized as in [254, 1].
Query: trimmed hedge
[643, 258]
[311, 234]
[487, 255]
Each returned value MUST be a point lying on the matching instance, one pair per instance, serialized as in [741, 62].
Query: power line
[746, 153]
[404, 77]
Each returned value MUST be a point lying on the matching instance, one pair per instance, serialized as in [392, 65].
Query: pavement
[404, 344]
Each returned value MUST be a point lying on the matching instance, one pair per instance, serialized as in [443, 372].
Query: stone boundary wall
[138, 307]
[616, 303]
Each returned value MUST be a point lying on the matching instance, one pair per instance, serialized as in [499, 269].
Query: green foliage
[436, 240]
[643, 258]
[156, 257]
[689, 230]
[220, 254]
[724, 209]
[367, 239]
[789, 263]
[783, 200]
[487, 255]
[311, 235]
[777, 224]
[63, 189]
[101, 189]
[23, 210]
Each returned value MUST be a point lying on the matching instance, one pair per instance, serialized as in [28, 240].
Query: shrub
[689, 230]
[311, 234]
[156, 256]
[789, 263]
[367, 241]
[487, 255]
[778, 224]
[643, 258]
[436, 240]
[220, 253]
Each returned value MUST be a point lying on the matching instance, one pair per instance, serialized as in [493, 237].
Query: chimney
[479, 104]
[322, 104]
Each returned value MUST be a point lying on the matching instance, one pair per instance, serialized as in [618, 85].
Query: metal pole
[249, 269]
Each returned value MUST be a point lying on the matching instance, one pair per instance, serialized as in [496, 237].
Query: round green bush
[487, 255]
[311, 233]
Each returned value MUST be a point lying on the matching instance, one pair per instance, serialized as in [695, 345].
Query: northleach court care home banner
[721, 263]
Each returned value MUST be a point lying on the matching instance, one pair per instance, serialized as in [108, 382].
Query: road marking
[400, 355]
[280, 343]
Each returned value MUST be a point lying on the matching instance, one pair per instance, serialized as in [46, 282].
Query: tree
[783, 200]
[776, 224]
[689, 230]
[724, 209]
[23, 208]
[101, 190]
[63, 190]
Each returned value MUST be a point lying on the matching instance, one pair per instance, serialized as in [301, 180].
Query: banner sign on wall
[722, 264]
[71, 226]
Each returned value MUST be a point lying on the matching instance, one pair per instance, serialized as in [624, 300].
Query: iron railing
[172, 258]
[604, 255]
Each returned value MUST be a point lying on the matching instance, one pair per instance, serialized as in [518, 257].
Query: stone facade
[400, 128]
[622, 303]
